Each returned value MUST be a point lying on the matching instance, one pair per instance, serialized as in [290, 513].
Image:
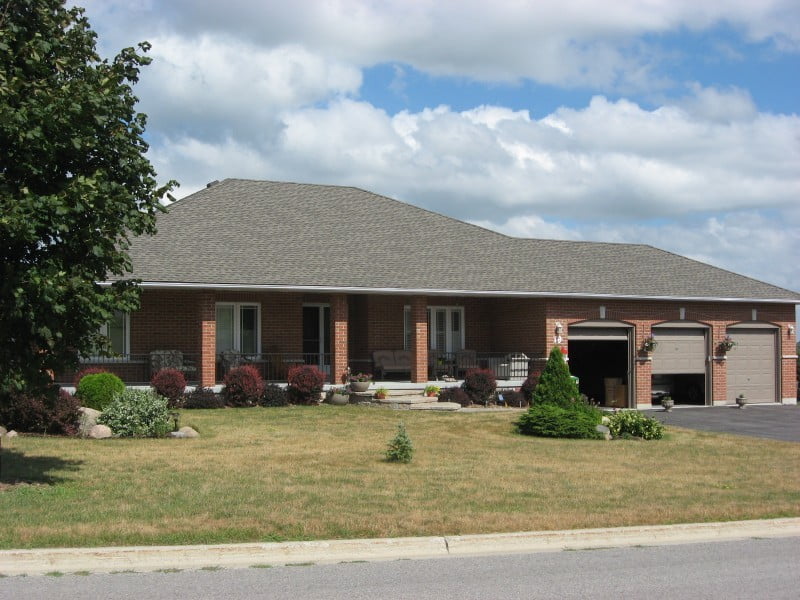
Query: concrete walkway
[154, 558]
[772, 421]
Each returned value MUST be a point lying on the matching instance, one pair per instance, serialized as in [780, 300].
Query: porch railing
[133, 369]
[505, 365]
[273, 366]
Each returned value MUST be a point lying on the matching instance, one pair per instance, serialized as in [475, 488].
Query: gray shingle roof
[258, 233]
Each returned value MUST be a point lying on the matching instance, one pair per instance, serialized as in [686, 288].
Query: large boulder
[188, 432]
[87, 420]
[604, 430]
[100, 432]
[12, 434]
[3, 431]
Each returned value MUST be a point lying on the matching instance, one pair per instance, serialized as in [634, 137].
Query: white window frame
[123, 356]
[237, 323]
[432, 325]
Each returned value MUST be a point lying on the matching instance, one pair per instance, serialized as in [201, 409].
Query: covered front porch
[399, 339]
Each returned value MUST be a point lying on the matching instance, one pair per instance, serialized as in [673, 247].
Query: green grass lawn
[304, 473]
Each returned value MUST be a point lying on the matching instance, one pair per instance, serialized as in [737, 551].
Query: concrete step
[440, 406]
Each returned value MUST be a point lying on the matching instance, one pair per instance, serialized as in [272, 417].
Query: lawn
[302, 473]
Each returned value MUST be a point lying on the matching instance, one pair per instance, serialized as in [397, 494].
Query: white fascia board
[439, 292]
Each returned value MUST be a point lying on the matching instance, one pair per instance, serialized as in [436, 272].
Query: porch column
[338, 333]
[208, 339]
[419, 339]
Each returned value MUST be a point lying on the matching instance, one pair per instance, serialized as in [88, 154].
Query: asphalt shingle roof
[259, 233]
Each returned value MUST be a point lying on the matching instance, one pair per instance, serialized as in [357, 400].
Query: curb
[232, 556]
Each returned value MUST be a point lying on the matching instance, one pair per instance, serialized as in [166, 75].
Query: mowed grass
[303, 473]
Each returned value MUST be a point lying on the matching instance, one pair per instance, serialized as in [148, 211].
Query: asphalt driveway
[773, 421]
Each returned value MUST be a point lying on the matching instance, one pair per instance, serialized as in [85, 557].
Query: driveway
[773, 421]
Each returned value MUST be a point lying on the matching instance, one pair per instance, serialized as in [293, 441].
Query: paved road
[773, 421]
[756, 568]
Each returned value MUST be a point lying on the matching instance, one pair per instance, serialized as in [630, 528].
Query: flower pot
[380, 396]
[667, 405]
[339, 399]
[360, 386]
[741, 402]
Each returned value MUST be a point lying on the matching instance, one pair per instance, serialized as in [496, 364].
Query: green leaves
[74, 185]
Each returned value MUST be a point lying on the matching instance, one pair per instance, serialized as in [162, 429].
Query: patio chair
[170, 359]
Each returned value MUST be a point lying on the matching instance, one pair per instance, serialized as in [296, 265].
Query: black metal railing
[505, 365]
[273, 366]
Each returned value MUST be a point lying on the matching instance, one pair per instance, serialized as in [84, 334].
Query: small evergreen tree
[555, 384]
[400, 448]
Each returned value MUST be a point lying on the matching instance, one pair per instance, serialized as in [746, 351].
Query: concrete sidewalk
[152, 558]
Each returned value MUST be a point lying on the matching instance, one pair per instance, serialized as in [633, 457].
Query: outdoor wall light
[559, 331]
[791, 329]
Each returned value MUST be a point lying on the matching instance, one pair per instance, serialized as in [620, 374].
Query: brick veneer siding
[339, 337]
[419, 339]
[643, 315]
[206, 310]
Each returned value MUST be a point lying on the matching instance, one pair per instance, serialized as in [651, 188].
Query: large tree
[75, 186]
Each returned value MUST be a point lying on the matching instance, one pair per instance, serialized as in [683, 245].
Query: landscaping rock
[604, 430]
[12, 434]
[188, 432]
[176, 434]
[100, 432]
[3, 431]
[88, 419]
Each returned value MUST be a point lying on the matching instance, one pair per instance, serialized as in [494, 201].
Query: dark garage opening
[594, 362]
[687, 388]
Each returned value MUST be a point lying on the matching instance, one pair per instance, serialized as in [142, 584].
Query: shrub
[52, 411]
[137, 413]
[84, 372]
[98, 390]
[527, 387]
[203, 398]
[517, 399]
[551, 420]
[274, 395]
[555, 384]
[400, 448]
[169, 383]
[455, 394]
[480, 385]
[243, 386]
[305, 384]
[632, 423]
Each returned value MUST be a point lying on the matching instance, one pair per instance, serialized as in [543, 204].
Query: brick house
[279, 273]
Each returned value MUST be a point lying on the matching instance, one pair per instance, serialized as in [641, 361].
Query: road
[755, 568]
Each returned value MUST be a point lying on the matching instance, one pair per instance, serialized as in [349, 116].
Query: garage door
[679, 351]
[751, 365]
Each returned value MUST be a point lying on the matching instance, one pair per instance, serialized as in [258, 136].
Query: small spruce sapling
[400, 448]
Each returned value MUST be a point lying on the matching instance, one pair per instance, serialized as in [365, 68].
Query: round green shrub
[98, 390]
[137, 413]
[578, 421]
[632, 423]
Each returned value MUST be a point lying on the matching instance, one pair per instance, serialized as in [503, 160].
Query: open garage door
[679, 363]
[752, 364]
[600, 357]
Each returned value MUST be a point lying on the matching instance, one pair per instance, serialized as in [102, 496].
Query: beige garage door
[751, 365]
[679, 351]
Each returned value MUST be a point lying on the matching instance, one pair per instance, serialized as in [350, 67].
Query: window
[118, 333]
[238, 327]
[445, 328]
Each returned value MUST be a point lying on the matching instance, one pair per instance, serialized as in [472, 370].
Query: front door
[316, 338]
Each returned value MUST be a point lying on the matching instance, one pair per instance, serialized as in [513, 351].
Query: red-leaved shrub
[528, 386]
[305, 384]
[243, 386]
[455, 394]
[171, 384]
[480, 385]
[87, 371]
[52, 411]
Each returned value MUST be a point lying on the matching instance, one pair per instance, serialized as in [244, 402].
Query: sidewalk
[232, 556]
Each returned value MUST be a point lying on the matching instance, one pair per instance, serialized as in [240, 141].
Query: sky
[673, 123]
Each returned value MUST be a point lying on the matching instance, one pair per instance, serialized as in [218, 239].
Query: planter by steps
[339, 399]
[360, 386]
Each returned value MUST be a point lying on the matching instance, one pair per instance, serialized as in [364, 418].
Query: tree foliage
[75, 187]
[555, 384]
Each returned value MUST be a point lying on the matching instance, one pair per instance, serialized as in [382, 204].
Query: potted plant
[726, 344]
[360, 382]
[667, 403]
[649, 344]
[381, 393]
[431, 391]
[338, 396]
[741, 401]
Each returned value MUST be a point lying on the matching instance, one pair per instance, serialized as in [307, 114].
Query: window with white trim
[118, 333]
[238, 327]
[445, 328]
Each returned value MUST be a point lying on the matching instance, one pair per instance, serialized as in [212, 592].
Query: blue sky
[673, 123]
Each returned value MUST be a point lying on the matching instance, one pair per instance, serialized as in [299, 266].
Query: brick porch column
[208, 339]
[338, 333]
[419, 339]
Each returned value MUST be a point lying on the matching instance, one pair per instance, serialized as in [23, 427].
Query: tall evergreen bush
[555, 385]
